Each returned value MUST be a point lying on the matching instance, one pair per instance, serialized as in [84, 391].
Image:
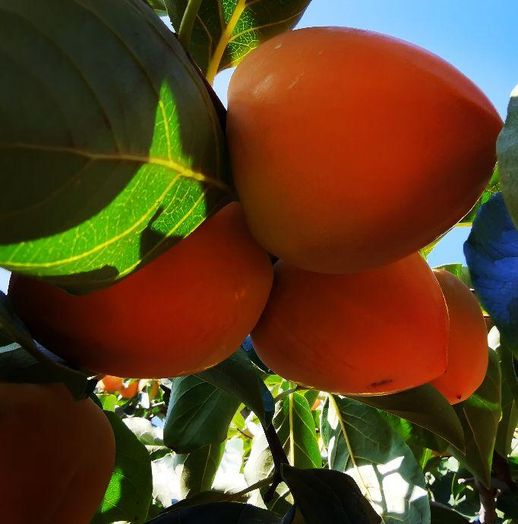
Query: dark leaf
[492, 254]
[128, 495]
[237, 376]
[327, 497]
[226, 30]
[217, 513]
[425, 407]
[109, 153]
[480, 415]
[443, 515]
[509, 421]
[198, 414]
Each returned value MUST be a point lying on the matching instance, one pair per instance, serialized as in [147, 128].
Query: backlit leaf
[361, 443]
[111, 149]
[128, 494]
[226, 30]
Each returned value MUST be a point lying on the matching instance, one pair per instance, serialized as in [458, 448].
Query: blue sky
[478, 37]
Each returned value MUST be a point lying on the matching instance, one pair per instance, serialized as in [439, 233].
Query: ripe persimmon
[467, 341]
[117, 385]
[374, 332]
[185, 311]
[351, 149]
[56, 455]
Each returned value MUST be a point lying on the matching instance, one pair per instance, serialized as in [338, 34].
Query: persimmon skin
[111, 384]
[351, 149]
[467, 341]
[374, 332]
[185, 311]
[56, 455]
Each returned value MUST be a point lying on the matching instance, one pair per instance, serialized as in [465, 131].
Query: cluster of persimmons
[350, 152]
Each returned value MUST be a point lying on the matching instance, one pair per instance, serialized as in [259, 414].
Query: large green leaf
[328, 496]
[128, 494]
[507, 152]
[239, 377]
[110, 146]
[361, 443]
[198, 414]
[480, 415]
[199, 468]
[425, 407]
[224, 31]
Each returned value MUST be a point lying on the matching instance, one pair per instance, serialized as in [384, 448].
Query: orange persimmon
[185, 311]
[467, 341]
[351, 149]
[374, 332]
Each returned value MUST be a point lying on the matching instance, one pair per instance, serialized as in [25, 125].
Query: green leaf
[158, 6]
[509, 421]
[22, 361]
[444, 515]
[361, 443]
[226, 30]
[296, 429]
[507, 153]
[109, 153]
[492, 187]
[129, 492]
[328, 496]
[240, 378]
[217, 513]
[480, 415]
[198, 414]
[425, 407]
[199, 468]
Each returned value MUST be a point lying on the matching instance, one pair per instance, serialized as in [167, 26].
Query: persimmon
[56, 455]
[374, 332]
[185, 311]
[117, 385]
[467, 341]
[351, 149]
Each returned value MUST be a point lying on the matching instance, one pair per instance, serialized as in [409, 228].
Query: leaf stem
[187, 23]
[223, 41]
[279, 458]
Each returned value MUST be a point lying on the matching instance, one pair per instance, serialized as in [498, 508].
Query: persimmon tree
[113, 152]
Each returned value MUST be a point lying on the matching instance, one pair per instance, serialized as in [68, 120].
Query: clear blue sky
[478, 37]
